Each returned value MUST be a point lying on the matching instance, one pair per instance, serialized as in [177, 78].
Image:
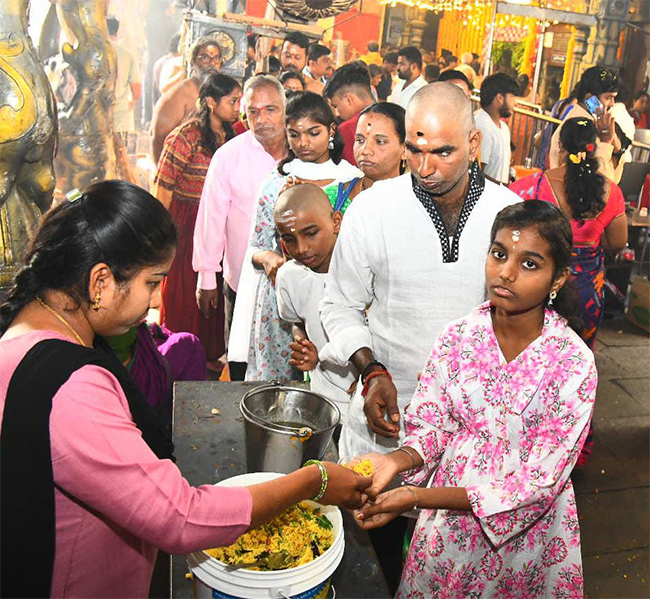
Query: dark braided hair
[113, 222]
[585, 186]
[554, 227]
[315, 107]
[215, 86]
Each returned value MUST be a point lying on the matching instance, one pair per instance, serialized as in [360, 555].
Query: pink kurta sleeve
[427, 419]
[556, 430]
[100, 459]
[211, 219]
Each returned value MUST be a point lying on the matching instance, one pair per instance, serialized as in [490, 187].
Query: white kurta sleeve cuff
[340, 349]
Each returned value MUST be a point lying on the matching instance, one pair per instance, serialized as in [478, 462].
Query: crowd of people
[363, 231]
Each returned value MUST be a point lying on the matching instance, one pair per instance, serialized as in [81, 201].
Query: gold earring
[97, 302]
[551, 297]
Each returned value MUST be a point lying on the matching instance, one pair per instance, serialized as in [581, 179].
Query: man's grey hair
[265, 80]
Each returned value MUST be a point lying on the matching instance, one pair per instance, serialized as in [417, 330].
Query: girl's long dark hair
[113, 222]
[585, 186]
[553, 226]
[311, 105]
[215, 86]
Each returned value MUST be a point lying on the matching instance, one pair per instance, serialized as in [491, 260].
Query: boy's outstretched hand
[304, 354]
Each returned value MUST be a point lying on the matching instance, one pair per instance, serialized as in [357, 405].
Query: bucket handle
[283, 593]
[304, 431]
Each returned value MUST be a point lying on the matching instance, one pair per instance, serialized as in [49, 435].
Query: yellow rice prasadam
[363, 467]
[304, 532]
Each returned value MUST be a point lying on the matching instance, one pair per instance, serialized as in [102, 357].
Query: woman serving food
[87, 471]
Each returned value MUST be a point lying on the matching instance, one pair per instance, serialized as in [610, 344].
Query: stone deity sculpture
[87, 147]
[28, 129]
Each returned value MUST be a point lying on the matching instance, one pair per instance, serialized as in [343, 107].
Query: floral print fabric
[269, 353]
[510, 433]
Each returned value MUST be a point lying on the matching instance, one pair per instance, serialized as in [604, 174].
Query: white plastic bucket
[213, 580]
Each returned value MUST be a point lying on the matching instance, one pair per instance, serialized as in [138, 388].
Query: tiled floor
[612, 490]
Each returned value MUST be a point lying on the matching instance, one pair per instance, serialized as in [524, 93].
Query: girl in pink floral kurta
[495, 436]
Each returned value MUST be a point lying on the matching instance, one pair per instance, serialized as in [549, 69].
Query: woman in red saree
[178, 184]
[596, 209]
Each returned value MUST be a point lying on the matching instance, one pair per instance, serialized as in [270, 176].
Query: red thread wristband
[371, 376]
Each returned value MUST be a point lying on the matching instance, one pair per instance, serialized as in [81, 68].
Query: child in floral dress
[494, 430]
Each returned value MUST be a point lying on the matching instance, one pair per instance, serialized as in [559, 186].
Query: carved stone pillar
[418, 25]
[27, 138]
[87, 151]
[405, 39]
[603, 44]
[579, 51]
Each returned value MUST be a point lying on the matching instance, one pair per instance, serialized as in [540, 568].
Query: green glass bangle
[323, 478]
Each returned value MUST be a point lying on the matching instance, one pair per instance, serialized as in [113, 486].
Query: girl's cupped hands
[386, 507]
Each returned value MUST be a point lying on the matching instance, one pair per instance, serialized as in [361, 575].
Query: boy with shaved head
[308, 227]
[409, 259]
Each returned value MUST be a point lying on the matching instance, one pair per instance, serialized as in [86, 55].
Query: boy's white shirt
[299, 291]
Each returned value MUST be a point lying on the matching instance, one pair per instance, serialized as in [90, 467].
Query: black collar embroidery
[476, 186]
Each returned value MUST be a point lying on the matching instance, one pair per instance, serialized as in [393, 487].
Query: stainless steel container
[285, 427]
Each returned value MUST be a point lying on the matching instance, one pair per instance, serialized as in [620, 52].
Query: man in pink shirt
[229, 197]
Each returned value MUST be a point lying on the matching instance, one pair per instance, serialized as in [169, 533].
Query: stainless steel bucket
[285, 427]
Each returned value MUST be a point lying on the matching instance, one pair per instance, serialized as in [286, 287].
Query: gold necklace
[60, 318]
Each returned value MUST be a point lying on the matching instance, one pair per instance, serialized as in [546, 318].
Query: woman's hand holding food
[383, 471]
[345, 487]
[386, 507]
[387, 466]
